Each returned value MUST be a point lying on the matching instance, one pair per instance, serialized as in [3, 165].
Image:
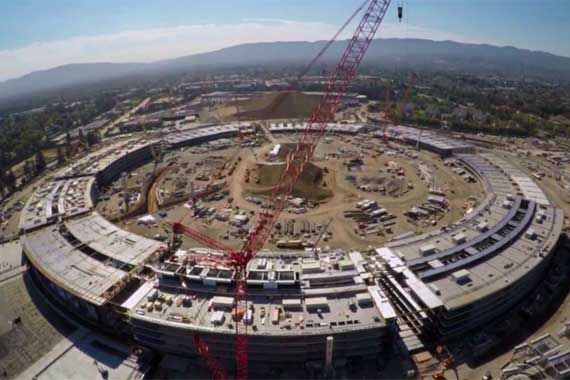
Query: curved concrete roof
[88, 255]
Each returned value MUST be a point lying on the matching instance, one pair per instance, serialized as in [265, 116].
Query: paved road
[124, 117]
[28, 328]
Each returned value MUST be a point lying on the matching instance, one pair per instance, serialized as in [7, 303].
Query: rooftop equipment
[459, 238]
[217, 318]
[364, 299]
[426, 250]
[222, 302]
[317, 303]
[461, 276]
[292, 303]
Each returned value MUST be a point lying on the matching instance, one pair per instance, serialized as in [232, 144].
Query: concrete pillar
[329, 354]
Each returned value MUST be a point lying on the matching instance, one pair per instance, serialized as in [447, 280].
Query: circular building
[307, 308]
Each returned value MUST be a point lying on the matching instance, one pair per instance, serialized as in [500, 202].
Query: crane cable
[310, 65]
[411, 81]
[331, 41]
[297, 79]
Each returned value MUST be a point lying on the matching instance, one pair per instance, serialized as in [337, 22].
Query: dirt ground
[111, 199]
[275, 105]
[344, 194]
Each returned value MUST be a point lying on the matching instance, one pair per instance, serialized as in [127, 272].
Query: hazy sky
[40, 34]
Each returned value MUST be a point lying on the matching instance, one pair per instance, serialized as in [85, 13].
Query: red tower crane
[323, 113]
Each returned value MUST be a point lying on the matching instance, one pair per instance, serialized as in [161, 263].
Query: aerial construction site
[293, 234]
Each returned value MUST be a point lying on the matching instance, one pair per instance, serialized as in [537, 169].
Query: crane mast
[295, 163]
[323, 113]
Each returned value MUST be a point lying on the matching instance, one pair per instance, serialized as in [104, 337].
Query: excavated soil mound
[310, 184]
[278, 105]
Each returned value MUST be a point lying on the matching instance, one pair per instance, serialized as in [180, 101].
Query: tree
[28, 170]
[92, 138]
[68, 145]
[81, 136]
[10, 180]
[40, 162]
[104, 103]
[60, 156]
[2, 183]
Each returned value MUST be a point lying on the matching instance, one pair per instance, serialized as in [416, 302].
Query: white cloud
[161, 43]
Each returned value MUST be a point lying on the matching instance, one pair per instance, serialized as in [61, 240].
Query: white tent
[146, 219]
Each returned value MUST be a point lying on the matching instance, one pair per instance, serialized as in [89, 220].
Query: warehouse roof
[489, 273]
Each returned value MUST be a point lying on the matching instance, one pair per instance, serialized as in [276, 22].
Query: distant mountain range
[426, 54]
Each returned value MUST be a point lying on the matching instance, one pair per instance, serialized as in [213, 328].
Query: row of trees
[23, 134]
[37, 163]
[32, 167]
[8, 182]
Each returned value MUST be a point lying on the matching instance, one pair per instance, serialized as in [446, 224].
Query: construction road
[124, 117]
